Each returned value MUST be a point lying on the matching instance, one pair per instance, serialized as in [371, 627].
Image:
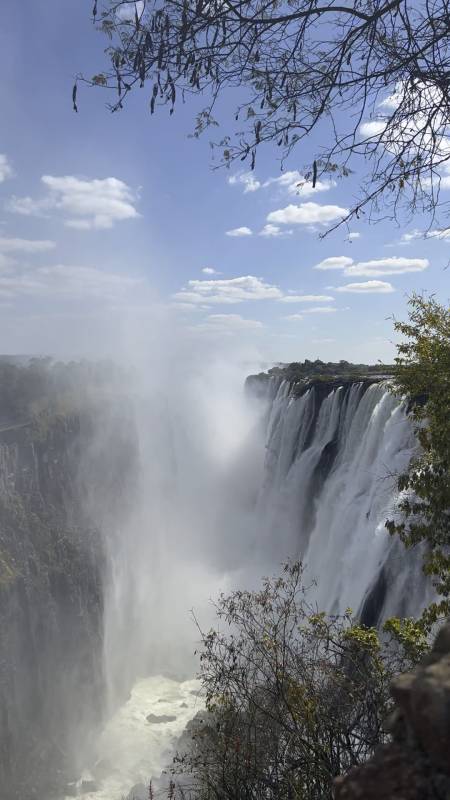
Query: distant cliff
[51, 565]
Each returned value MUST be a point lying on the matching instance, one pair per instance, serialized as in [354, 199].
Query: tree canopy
[363, 82]
[293, 697]
[423, 375]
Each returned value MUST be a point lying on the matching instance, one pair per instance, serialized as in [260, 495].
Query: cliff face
[51, 565]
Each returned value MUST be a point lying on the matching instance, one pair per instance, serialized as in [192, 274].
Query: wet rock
[416, 764]
[156, 719]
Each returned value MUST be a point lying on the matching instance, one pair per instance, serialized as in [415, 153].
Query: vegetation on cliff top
[305, 372]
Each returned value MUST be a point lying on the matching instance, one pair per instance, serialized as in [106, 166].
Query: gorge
[123, 506]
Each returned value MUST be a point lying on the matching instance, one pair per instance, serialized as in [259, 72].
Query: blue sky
[109, 220]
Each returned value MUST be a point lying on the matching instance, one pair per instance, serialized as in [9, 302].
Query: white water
[214, 511]
[330, 484]
[132, 750]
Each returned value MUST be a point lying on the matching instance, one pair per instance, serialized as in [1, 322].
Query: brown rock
[416, 764]
[394, 772]
[429, 714]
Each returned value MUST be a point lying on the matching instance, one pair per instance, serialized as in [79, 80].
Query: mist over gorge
[128, 500]
[224, 400]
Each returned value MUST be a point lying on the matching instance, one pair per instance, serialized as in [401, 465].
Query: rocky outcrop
[51, 564]
[416, 764]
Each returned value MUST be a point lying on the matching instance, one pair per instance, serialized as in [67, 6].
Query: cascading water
[333, 456]
[180, 543]
[231, 484]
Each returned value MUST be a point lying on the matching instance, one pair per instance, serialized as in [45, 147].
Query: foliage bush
[423, 375]
[293, 697]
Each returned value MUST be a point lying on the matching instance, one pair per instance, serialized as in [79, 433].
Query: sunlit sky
[107, 219]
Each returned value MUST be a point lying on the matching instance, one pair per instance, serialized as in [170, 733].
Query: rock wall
[51, 565]
[416, 764]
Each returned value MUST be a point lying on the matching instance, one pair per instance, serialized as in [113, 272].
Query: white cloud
[335, 262]
[292, 181]
[371, 129]
[245, 179]
[232, 322]
[186, 307]
[319, 310]
[274, 230]
[6, 170]
[85, 204]
[397, 133]
[444, 233]
[26, 206]
[25, 245]
[243, 231]
[306, 298]
[387, 266]
[351, 236]
[210, 271]
[410, 236]
[293, 317]
[307, 214]
[228, 291]
[395, 265]
[368, 287]
[295, 183]
[128, 10]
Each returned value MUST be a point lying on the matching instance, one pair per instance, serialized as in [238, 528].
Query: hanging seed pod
[142, 72]
[160, 55]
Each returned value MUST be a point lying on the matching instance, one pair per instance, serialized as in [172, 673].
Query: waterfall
[333, 454]
[215, 508]
[229, 485]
